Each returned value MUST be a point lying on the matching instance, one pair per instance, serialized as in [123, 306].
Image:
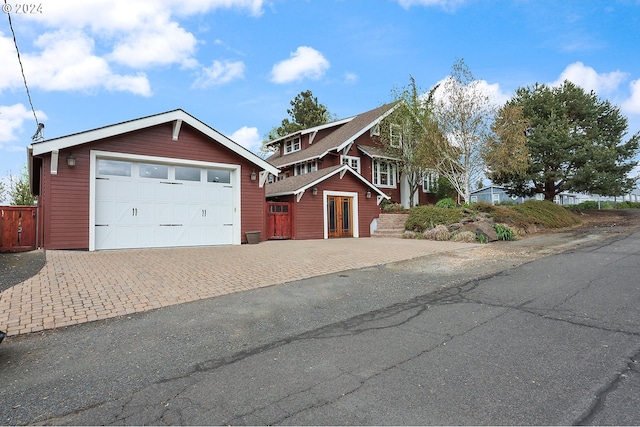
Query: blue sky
[236, 64]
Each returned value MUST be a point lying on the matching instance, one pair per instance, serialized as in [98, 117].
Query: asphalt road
[554, 341]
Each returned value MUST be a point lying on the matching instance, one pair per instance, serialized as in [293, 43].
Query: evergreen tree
[305, 112]
[572, 141]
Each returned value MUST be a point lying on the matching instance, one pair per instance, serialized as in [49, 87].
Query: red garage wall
[64, 198]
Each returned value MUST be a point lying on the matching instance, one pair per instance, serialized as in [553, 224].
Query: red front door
[278, 220]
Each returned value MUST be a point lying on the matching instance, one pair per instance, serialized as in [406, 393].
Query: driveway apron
[76, 287]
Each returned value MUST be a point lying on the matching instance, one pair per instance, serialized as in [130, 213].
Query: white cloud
[220, 72]
[448, 5]
[162, 44]
[590, 80]
[122, 16]
[139, 35]
[12, 118]
[632, 105]
[248, 137]
[493, 91]
[350, 78]
[305, 62]
[67, 62]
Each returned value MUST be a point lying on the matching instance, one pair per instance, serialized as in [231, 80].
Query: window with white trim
[302, 168]
[395, 139]
[291, 145]
[384, 173]
[352, 161]
[430, 182]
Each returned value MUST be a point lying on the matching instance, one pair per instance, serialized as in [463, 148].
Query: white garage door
[141, 205]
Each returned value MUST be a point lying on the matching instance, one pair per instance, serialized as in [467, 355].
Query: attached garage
[162, 181]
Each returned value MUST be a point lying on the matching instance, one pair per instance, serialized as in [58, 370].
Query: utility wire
[38, 133]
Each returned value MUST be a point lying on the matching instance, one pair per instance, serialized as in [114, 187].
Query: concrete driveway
[76, 287]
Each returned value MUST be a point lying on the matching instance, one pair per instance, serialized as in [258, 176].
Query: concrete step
[395, 234]
[390, 225]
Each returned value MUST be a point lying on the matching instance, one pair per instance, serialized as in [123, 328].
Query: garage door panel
[147, 212]
[106, 212]
[145, 190]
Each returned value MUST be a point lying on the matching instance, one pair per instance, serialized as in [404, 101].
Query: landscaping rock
[484, 228]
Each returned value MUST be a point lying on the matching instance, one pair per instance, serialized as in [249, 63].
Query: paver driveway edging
[76, 287]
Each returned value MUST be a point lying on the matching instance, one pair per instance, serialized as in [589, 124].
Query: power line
[40, 126]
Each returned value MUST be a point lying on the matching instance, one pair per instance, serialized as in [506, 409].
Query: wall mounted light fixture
[71, 160]
[314, 191]
[253, 176]
[368, 194]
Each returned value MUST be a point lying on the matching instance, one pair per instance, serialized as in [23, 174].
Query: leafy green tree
[20, 191]
[406, 134]
[573, 142]
[463, 113]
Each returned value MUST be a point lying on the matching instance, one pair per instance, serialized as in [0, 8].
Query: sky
[237, 64]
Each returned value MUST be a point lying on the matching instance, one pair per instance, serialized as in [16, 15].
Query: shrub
[504, 214]
[628, 205]
[391, 207]
[447, 203]
[423, 218]
[504, 232]
[592, 204]
[439, 232]
[464, 236]
[546, 213]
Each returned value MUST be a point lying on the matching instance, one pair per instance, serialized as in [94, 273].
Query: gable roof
[375, 152]
[336, 140]
[298, 184]
[176, 116]
[311, 130]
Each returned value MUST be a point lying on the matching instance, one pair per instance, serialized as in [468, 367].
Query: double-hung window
[430, 182]
[302, 168]
[291, 145]
[352, 161]
[384, 173]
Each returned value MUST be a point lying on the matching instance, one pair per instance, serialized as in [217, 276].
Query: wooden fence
[18, 228]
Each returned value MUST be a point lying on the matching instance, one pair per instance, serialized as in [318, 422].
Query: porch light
[368, 194]
[314, 191]
[253, 175]
[71, 160]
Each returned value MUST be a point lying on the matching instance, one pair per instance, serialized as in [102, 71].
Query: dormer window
[291, 145]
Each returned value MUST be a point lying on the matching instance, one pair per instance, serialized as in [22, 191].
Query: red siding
[64, 198]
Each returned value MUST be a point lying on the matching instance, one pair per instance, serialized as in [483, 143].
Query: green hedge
[426, 217]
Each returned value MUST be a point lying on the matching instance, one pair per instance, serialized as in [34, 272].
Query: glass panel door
[339, 216]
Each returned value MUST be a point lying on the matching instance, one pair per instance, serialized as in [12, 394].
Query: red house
[345, 167]
[158, 181]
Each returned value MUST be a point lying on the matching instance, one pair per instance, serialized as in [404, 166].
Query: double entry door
[340, 216]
